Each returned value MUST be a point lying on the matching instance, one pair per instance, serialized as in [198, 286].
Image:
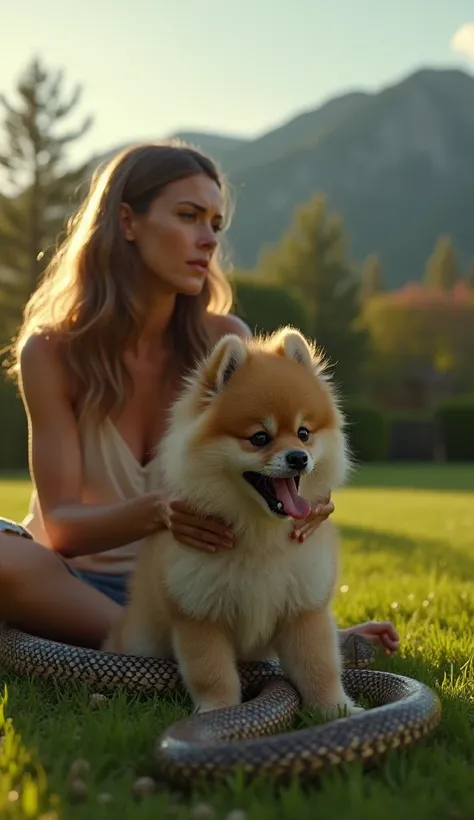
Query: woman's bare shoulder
[219, 326]
[42, 361]
[40, 350]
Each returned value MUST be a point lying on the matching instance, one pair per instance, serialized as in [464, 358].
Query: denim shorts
[114, 586]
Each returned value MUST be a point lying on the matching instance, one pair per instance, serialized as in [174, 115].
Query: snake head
[357, 651]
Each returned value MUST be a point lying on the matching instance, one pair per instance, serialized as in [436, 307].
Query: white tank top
[110, 473]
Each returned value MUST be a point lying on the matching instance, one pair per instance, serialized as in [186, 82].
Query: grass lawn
[408, 556]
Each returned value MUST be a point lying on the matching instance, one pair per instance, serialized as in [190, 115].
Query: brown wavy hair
[94, 290]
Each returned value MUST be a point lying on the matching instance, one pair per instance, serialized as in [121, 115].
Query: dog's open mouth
[281, 494]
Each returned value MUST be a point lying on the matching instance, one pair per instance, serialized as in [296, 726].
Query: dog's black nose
[297, 459]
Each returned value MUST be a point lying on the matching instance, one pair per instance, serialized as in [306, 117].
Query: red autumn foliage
[420, 295]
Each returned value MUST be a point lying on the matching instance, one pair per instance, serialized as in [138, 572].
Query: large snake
[252, 735]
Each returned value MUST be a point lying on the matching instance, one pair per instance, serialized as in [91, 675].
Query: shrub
[414, 436]
[13, 428]
[265, 306]
[456, 421]
[368, 431]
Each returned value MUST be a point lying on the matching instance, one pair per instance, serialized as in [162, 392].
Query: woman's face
[177, 237]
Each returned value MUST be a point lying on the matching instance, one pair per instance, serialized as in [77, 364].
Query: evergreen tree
[373, 279]
[442, 268]
[311, 262]
[40, 191]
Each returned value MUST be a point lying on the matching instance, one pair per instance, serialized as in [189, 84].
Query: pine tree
[42, 191]
[311, 261]
[442, 268]
[372, 279]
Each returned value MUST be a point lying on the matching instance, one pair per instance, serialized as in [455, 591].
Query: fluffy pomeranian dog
[254, 437]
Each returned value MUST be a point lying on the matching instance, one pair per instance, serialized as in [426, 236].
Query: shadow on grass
[421, 555]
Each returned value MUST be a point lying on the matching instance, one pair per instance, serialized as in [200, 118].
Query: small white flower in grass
[143, 786]
[13, 796]
[97, 700]
[344, 588]
[202, 811]
[431, 595]
[411, 596]
[426, 603]
[394, 604]
[79, 768]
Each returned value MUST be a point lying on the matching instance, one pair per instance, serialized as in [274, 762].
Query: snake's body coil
[252, 735]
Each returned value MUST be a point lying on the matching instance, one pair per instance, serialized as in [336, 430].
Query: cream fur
[269, 595]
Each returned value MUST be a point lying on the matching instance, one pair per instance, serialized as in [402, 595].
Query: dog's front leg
[309, 653]
[207, 664]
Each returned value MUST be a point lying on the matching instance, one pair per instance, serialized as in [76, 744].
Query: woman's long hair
[94, 291]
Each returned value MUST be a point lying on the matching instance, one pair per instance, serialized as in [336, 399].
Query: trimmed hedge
[265, 306]
[456, 421]
[414, 437]
[368, 431]
[13, 428]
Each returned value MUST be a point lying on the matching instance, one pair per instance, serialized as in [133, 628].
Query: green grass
[408, 556]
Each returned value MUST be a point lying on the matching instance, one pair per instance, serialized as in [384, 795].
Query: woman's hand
[199, 532]
[320, 510]
[381, 634]
[210, 534]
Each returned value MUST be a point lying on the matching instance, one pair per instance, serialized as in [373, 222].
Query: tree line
[373, 337]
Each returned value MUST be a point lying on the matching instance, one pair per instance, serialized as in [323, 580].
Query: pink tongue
[294, 505]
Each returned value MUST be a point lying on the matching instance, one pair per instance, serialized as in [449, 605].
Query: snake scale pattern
[254, 736]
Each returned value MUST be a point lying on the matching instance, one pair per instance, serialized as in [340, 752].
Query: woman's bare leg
[38, 594]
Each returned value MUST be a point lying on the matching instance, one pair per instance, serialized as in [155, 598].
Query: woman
[132, 297]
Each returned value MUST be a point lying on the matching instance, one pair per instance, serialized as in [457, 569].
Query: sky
[150, 68]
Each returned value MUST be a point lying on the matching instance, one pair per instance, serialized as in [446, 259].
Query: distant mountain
[300, 132]
[398, 165]
[399, 168]
[217, 146]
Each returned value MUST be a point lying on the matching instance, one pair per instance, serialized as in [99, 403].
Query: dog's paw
[205, 706]
[211, 705]
[351, 709]
[344, 707]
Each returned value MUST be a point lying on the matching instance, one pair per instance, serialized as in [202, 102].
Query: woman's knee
[22, 561]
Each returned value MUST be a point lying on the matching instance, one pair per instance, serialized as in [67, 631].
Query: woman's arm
[74, 528]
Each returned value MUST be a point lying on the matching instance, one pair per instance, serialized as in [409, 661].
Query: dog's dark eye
[260, 439]
[303, 434]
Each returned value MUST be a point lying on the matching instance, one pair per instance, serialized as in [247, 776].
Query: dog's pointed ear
[291, 343]
[228, 355]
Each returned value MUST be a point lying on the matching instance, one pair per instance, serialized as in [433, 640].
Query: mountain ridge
[396, 164]
[399, 170]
